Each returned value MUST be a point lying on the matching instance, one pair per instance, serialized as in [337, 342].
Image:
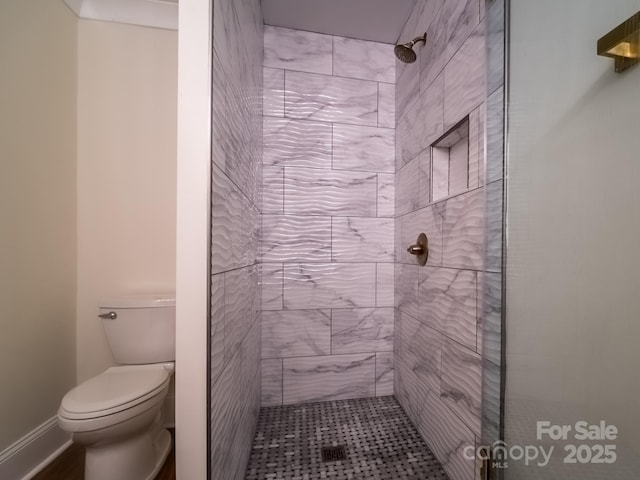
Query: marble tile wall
[328, 218]
[492, 401]
[438, 342]
[236, 335]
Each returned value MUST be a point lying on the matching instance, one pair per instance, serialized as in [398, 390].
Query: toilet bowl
[117, 415]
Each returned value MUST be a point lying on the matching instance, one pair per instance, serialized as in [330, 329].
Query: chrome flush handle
[110, 315]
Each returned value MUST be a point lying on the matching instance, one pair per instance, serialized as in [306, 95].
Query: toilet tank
[140, 329]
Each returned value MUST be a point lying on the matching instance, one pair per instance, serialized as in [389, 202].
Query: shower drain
[333, 454]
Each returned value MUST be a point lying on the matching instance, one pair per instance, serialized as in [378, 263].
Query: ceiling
[376, 20]
[149, 13]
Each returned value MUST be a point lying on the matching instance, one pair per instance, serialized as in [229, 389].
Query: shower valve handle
[420, 249]
[416, 249]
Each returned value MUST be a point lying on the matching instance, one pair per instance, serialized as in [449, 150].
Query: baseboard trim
[37, 449]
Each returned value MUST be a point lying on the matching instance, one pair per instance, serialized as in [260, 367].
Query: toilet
[117, 415]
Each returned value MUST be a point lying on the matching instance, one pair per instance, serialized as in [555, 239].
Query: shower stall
[329, 157]
[336, 166]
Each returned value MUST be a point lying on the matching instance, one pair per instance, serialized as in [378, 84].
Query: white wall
[573, 227]
[127, 120]
[194, 185]
[37, 212]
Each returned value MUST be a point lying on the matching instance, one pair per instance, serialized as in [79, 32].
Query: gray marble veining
[328, 193]
[406, 289]
[437, 314]
[272, 189]
[357, 239]
[297, 50]
[273, 98]
[439, 173]
[404, 387]
[461, 383]
[408, 181]
[492, 318]
[218, 110]
[495, 45]
[476, 148]
[451, 26]
[295, 238]
[228, 223]
[331, 99]
[236, 130]
[459, 165]
[235, 403]
[463, 231]
[408, 75]
[217, 319]
[356, 147]
[464, 78]
[491, 400]
[386, 195]
[493, 288]
[271, 283]
[296, 143]
[296, 333]
[241, 303]
[385, 295]
[362, 59]
[335, 377]
[422, 124]
[272, 381]
[448, 299]
[494, 226]
[407, 87]
[310, 191]
[359, 330]
[422, 352]
[447, 436]
[384, 373]
[329, 285]
[495, 138]
[424, 174]
[386, 105]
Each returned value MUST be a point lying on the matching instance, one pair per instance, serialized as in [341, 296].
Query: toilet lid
[115, 387]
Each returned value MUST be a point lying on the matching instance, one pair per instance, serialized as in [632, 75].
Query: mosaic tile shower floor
[380, 441]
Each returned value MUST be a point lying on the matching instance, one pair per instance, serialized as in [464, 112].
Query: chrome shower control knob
[416, 249]
[420, 249]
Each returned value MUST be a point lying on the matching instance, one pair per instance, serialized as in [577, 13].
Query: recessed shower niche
[450, 162]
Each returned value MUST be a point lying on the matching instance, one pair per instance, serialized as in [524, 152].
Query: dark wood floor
[70, 465]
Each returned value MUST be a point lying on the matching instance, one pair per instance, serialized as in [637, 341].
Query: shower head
[405, 53]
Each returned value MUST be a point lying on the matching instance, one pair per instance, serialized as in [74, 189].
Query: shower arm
[422, 38]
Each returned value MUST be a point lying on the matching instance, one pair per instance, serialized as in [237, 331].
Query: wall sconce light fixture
[622, 44]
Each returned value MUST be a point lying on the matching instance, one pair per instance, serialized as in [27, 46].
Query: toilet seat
[115, 390]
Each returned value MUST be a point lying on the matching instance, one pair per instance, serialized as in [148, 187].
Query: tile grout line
[282, 282]
[375, 374]
[331, 332]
